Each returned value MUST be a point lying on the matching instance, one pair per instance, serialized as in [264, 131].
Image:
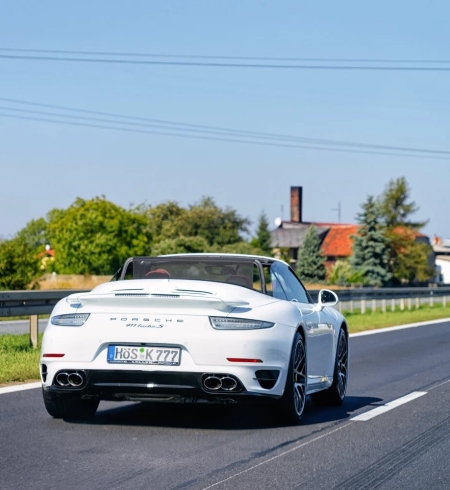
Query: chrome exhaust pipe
[75, 379]
[212, 383]
[228, 383]
[62, 379]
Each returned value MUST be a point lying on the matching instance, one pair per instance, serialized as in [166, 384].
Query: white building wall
[444, 266]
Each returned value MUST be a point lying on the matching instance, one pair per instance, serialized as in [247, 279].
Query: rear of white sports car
[165, 340]
[194, 328]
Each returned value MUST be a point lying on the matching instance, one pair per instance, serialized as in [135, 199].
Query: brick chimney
[296, 204]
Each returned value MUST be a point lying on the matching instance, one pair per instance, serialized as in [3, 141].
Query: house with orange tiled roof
[338, 242]
[336, 238]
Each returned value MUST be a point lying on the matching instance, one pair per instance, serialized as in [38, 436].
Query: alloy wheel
[299, 377]
[342, 365]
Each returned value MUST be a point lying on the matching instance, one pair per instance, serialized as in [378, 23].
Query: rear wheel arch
[301, 331]
[345, 328]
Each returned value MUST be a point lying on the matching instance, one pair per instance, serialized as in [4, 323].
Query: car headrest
[158, 274]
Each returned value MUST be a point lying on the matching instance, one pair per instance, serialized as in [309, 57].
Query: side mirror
[326, 298]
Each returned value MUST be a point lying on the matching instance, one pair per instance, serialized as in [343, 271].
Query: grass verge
[18, 361]
[377, 319]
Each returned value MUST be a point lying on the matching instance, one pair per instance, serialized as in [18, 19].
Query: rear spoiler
[176, 299]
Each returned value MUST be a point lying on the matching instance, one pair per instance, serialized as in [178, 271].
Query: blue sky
[46, 165]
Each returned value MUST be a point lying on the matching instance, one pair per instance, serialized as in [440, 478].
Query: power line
[227, 140]
[226, 65]
[222, 57]
[220, 131]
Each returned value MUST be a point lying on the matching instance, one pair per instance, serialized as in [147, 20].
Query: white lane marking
[440, 384]
[295, 448]
[23, 387]
[389, 406]
[398, 327]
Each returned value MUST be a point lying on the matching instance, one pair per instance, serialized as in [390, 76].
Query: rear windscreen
[241, 273]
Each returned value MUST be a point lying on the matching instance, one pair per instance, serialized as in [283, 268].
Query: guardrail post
[34, 322]
[374, 306]
[409, 303]
[363, 306]
[402, 304]
[444, 301]
[431, 299]
[351, 306]
[417, 303]
[393, 304]
[383, 305]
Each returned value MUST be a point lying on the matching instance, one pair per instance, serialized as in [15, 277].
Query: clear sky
[46, 165]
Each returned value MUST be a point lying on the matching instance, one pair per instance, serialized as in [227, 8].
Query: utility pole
[339, 210]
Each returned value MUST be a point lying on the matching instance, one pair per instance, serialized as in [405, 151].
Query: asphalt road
[136, 446]
[20, 326]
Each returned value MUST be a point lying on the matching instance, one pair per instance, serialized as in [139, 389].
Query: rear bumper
[162, 386]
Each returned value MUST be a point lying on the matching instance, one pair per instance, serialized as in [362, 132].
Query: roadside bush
[19, 265]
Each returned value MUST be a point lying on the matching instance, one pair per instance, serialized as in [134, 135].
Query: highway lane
[134, 446]
[20, 326]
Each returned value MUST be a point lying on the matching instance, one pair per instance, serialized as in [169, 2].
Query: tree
[371, 245]
[19, 265]
[238, 248]
[395, 206]
[409, 259]
[310, 262]
[191, 244]
[218, 226]
[163, 219]
[35, 233]
[343, 273]
[96, 236]
[263, 236]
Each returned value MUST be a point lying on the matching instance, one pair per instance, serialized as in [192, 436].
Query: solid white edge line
[22, 387]
[398, 327]
[364, 417]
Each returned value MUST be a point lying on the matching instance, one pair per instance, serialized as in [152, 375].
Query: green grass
[18, 361]
[358, 322]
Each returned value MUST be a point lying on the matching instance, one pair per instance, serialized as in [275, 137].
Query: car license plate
[124, 354]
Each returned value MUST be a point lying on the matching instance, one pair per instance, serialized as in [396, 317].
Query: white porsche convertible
[193, 328]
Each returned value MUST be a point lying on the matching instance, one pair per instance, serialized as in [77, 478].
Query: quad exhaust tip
[212, 383]
[220, 382]
[73, 379]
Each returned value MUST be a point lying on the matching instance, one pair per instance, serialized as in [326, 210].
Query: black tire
[335, 394]
[70, 407]
[291, 405]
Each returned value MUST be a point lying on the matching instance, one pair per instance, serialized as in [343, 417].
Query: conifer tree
[371, 245]
[262, 239]
[310, 262]
[396, 207]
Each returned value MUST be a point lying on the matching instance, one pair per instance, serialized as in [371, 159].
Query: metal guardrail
[34, 303]
[20, 303]
[358, 294]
